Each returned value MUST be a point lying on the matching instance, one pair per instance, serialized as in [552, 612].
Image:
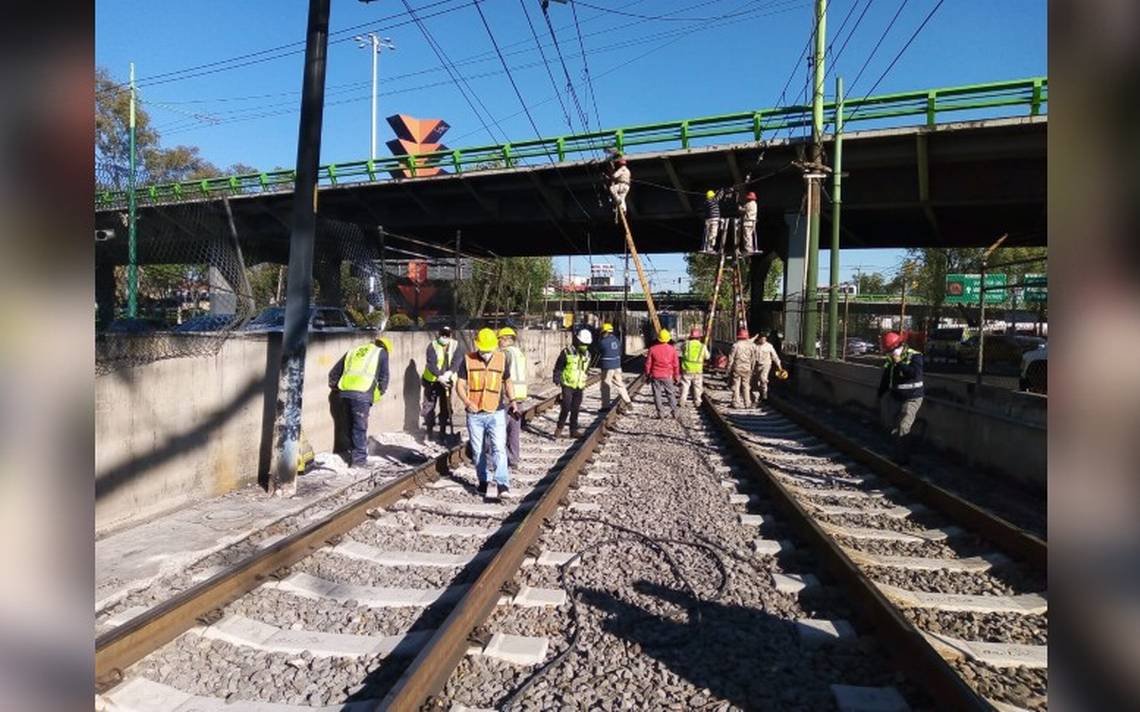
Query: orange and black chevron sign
[414, 137]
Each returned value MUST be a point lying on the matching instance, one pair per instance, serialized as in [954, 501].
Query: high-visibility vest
[693, 356]
[908, 352]
[518, 372]
[485, 380]
[441, 352]
[360, 370]
[577, 367]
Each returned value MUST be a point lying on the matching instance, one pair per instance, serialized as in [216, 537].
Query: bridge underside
[952, 185]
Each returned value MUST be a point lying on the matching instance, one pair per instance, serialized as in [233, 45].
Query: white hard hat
[585, 337]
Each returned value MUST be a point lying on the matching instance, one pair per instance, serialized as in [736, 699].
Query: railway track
[957, 593]
[330, 614]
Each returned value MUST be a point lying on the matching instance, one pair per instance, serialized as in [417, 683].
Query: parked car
[859, 347]
[1000, 348]
[206, 323]
[325, 320]
[1034, 370]
[944, 344]
[136, 325]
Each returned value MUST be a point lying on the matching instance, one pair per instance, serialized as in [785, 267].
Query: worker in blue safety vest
[358, 380]
[609, 360]
[902, 380]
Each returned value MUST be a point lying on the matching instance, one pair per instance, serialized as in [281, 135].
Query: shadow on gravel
[739, 654]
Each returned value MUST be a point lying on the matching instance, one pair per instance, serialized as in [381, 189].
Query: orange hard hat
[750, 196]
[891, 340]
[742, 334]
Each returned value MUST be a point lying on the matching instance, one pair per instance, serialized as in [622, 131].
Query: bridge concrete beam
[682, 196]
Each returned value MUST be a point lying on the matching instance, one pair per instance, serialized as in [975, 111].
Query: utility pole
[836, 202]
[811, 301]
[291, 380]
[132, 224]
[982, 311]
[374, 42]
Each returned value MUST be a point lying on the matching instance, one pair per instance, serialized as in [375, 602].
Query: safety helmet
[891, 340]
[385, 342]
[695, 333]
[621, 161]
[486, 340]
[445, 331]
[742, 334]
[710, 194]
[584, 337]
[607, 328]
[750, 196]
[782, 375]
[506, 331]
[664, 336]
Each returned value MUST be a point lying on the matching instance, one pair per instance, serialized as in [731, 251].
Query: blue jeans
[493, 426]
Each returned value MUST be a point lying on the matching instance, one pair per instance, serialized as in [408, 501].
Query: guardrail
[930, 105]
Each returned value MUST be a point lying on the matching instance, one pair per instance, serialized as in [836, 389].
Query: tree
[505, 285]
[702, 278]
[932, 264]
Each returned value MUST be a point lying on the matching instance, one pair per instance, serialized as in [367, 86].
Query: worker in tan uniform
[765, 355]
[619, 187]
[741, 360]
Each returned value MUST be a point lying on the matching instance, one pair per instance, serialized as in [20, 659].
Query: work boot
[482, 488]
[558, 432]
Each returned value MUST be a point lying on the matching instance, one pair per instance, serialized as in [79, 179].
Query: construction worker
[740, 362]
[712, 222]
[437, 381]
[693, 356]
[902, 379]
[765, 355]
[609, 351]
[570, 373]
[517, 377]
[619, 186]
[747, 234]
[484, 385]
[663, 369]
[358, 380]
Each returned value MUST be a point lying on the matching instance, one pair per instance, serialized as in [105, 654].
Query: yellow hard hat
[486, 340]
[664, 336]
[710, 195]
[607, 328]
[385, 342]
[782, 375]
[506, 331]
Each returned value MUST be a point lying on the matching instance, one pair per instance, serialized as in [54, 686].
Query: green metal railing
[1031, 95]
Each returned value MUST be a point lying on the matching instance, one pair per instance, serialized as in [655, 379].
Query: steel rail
[430, 670]
[1011, 539]
[128, 643]
[913, 652]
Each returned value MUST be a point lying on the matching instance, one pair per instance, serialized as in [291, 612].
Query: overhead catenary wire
[875, 49]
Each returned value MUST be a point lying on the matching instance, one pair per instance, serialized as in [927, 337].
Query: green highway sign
[965, 288]
[1036, 289]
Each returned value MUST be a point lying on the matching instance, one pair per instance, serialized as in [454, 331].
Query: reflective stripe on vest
[360, 370]
[485, 380]
[577, 367]
[909, 386]
[692, 359]
[440, 352]
[906, 356]
[518, 372]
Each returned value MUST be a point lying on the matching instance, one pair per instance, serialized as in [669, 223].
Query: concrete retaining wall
[180, 429]
[999, 431]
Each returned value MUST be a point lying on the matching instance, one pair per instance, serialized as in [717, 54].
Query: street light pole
[374, 42]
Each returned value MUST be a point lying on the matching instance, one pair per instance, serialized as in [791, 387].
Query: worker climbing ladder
[640, 272]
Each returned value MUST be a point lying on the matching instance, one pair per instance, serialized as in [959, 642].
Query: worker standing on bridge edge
[663, 368]
[693, 356]
[619, 187]
[570, 373]
[484, 384]
[741, 360]
[437, 381]
[517, 377]
[747, 234]
[765, 355]
[358, 380]
[609, 351]
[902, 379]
[712, 222]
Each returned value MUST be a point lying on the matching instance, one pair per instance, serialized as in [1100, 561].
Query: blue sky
[241, 103]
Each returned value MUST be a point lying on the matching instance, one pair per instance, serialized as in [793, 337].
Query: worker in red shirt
[663, 368]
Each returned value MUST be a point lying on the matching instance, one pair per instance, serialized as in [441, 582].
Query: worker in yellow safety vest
[486, 387]
[356, 382]
[437, 380]
[693, 356]
[570, 372]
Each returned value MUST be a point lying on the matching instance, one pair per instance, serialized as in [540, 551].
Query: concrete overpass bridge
[939, 167]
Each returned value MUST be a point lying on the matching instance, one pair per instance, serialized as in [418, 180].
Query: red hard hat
[891, 340]
[695, 333]
[621, 161]
[742, 334]
[750, 196]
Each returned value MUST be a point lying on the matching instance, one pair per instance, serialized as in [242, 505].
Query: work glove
[447, 376]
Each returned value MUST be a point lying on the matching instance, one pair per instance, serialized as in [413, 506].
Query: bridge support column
[328, 281]
[223, 295]
[105, 293]
[761, 318]
[794, 281]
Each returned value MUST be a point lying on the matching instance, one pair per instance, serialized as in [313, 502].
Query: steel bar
[836, 207]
